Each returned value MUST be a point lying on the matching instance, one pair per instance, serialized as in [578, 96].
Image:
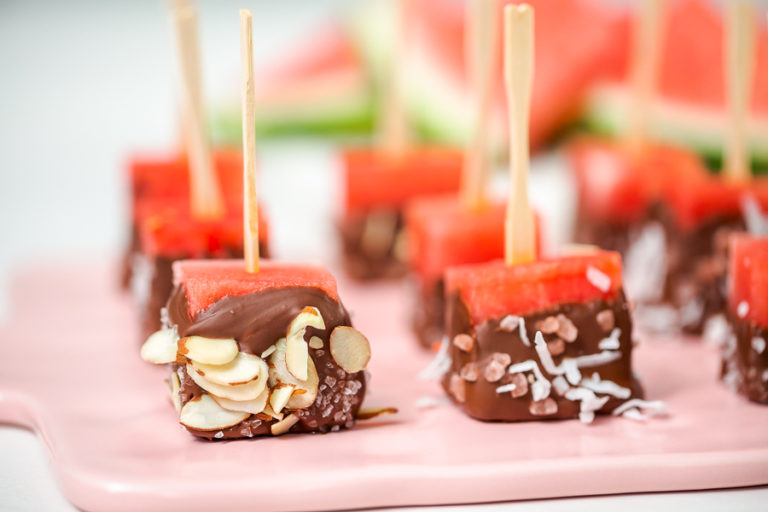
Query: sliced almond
[280, 397]
[205, 414]
[279, 375]
[350, 349]
[306, 392]
[296, 355]
[297, 350]
[175, 385]
[268, 352]
[367, 414]
[254, 406]
[240, 392]
[160, 347]
[284, 425]
[208, 350]
[243, 368]
[271, 413]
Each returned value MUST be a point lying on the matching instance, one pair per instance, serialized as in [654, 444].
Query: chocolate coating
[745, 359]
[494, 349]
[371, 245]
[257, 321]
[428, 319]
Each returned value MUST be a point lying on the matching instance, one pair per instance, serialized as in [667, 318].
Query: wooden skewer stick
[519, 240]
[739, 58]
[205, 193]
[481, 51]
[393, 131]
[248, 91]
[645, 68]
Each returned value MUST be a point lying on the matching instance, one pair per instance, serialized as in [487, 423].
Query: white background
[82, 86]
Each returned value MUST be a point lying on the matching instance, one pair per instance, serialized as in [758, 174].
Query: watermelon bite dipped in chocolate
[532, 339]
[378, 181]
[745, 354]
[259, 353]
[184, 207]
[467, 227]
[258, 348]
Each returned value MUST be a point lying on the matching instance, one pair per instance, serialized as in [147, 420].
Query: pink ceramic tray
[69, 369]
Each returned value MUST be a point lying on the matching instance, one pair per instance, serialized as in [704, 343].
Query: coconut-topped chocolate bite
[258, 348]
[532, 339]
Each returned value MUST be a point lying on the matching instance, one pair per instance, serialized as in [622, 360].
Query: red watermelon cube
[748, 269]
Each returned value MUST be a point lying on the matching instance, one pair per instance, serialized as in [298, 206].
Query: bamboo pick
[248, 91]
[393, 131]
[481, 53]
[645, 69]
[739, 58]
[519, 240]
[205, 194]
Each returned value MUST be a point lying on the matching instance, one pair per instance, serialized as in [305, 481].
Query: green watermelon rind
[700, 129]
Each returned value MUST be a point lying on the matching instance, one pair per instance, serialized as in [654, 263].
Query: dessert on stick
[258, 348]
[467, 227]
[745, 355]
[536, 339]
[378, 181]
[184, 208]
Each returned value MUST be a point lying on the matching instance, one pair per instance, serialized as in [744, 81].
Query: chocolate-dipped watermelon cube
[745, 355]
[261, 353]
[169, 234]
[618, 187]
[377, 185]
[443, 233]
[542, 340]
[699, 215]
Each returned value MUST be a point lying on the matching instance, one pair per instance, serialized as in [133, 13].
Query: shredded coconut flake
[612, 341]
[606, 387]
[716, 330]
[598, 279]
[758, 344]
[440, 364]
[523, 332]
[589, 402]
[541, 387]
[505, 388]
[544, 356]
[572, 372]
[601, 358]
[510, 323]
[756, 220]
[560, 385]
[430, 402]
[742, 309]
[652, 407]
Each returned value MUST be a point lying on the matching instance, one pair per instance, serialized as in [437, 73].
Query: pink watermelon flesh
[749, 278]
[574, 46]
[207, 281]
[493, 290]
[692, 57]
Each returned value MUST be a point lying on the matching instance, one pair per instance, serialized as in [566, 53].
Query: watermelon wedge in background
[690, 109]
[573, 47]
[319, 88]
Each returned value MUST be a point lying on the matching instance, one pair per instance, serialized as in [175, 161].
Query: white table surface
[82, 85]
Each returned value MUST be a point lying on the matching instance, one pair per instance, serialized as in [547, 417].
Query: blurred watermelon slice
[436, 88]
[690, 110]
[321, 87]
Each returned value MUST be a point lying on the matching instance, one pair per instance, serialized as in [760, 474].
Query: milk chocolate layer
[257, 321]
[371, 244]
[745, 360]
[428, 318]
[475, 374]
